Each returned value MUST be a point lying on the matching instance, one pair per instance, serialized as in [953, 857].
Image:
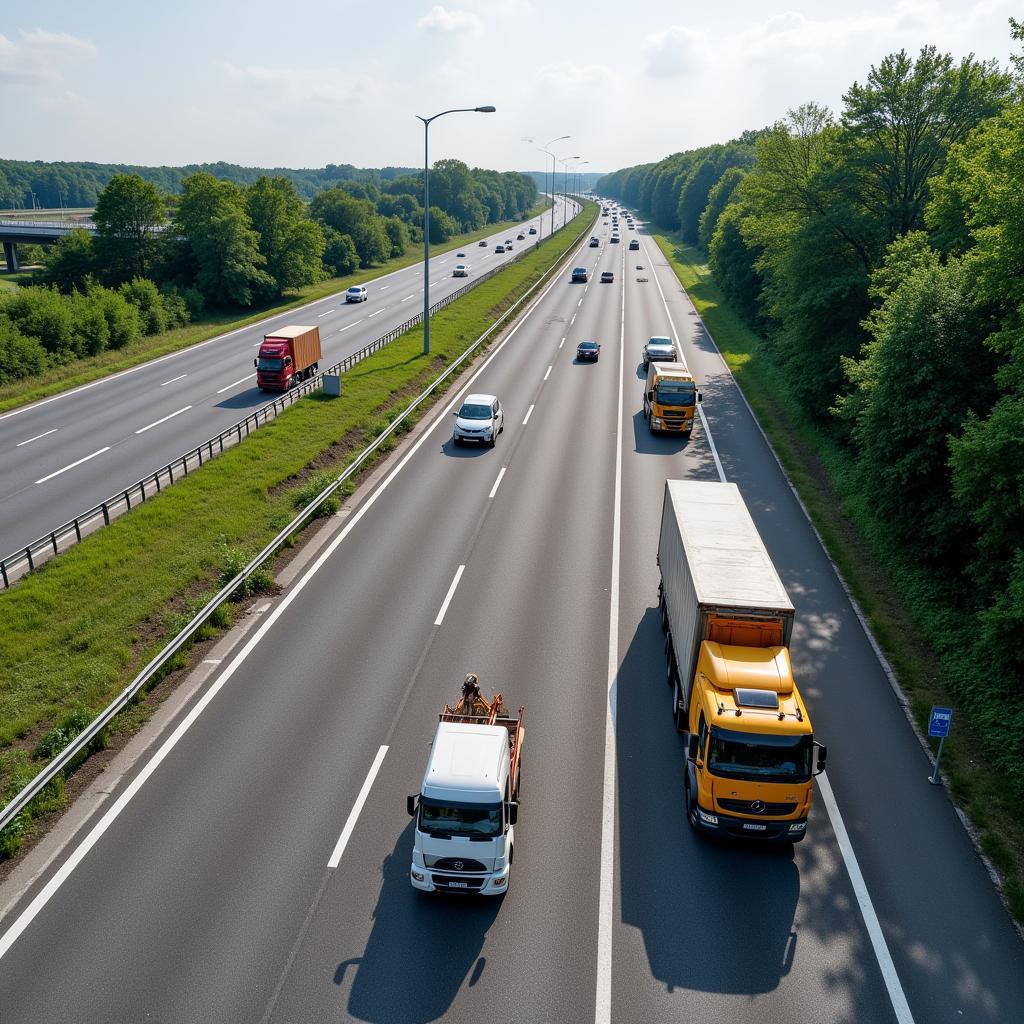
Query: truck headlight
[708, 819]
[798, 826]
[656, 421]
[417, 877]
[501, 881]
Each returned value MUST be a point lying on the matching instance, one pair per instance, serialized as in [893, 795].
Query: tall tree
[128, 213]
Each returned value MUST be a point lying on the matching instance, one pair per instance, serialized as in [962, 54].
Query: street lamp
[579, 179]
[426, 210]
[544, 149]
[565, 187]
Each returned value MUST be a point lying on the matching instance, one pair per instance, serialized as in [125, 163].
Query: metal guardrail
[32, 555]
[82, 741]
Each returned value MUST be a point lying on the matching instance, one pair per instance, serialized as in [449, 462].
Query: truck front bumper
[428, 880]
[716, 823]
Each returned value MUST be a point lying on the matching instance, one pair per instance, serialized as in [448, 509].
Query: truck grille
[457, 864]
[746, 807]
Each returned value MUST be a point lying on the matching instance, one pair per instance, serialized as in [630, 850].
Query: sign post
[938, 725]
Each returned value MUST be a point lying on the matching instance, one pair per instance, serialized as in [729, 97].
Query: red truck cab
[286, 357]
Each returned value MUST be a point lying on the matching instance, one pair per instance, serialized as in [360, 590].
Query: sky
[303, 83]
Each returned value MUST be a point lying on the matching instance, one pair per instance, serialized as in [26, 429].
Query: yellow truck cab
[670, 398]
[751, 752]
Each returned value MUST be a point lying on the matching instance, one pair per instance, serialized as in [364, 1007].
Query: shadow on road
[421, 951]
[466, 451]
[251, 398]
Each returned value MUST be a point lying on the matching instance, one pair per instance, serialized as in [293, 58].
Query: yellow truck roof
[756, 682]
[670, 370]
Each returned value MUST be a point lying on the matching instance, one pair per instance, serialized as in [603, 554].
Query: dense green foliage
[880, 255]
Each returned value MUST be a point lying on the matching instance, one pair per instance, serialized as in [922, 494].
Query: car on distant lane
[580, 274]
[482, 242]
[594, 242]
[357, 293]
[533, 231]
[607, 276]
[634, 243]
[659, 349]
[461, 270]
[588, 350]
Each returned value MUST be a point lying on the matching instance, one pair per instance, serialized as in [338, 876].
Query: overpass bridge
[36, 232]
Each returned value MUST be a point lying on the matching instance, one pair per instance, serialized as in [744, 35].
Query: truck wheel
[663, 610]
[670, 661]
[691, 804]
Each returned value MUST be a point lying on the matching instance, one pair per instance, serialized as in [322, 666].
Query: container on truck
[670, 398]
[287, 356]
[751, 751]
[468, 803]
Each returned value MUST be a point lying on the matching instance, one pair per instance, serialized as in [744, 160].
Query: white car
[480, 420]
[659, 349]
[357, 293]
[461, 270]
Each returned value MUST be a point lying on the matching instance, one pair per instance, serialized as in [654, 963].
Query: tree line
[879, 253]
[158, 259]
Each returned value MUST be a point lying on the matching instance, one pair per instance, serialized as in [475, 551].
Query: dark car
[634, 243]
[533, 231]
[594, 243]
[520, 236]
[579, 274]
[588, 350]
[607, 276]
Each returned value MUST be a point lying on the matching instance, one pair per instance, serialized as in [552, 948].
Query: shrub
[43, 313]
[143, 294]
[318, 482]
[20, 356]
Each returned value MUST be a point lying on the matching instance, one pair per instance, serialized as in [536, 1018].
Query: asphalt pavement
[202, 891]
[65, 454]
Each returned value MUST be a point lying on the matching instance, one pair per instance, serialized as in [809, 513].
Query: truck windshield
[462, 819]
[271, 365]
[677, 392]
[745, 755]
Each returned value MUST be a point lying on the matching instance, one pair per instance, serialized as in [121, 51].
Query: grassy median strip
[893, 597]
[84, 371]
[77, 631]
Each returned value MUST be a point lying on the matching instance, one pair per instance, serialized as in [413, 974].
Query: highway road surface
[254, 867]
[65, 454]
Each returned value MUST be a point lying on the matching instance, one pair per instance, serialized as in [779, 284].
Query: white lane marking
[377, 313]
[434, 284]
[325, 312]
[384, 287]
[36, 438]
[529, 413]
[892, 981]
[573, 320]
[46, 894]
[346, 832]
[408, 297]
[580, 303]
[354, 322]
[881, 950]
[235, 385]
[441, 261]
[561, 343]
[448, 597]
[606, 887]
[212, 661]
[548, 374]
[181, 376]
[163, 419]
[43, 479]
[497, 483]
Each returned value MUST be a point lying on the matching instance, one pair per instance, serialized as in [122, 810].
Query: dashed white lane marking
[325, 312]
[354, 322]
[561, 343]
[43, 479]
[497, 483]
[408, 297]
[548, 374]
[448, 597]
[235, 385]
[384, 287]
[346, 832]
[163, 419]
[36, 438]
[573, 320]
[377, 313]
[181, 376]
[529, 413]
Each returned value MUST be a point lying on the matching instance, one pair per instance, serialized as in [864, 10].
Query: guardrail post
[156, 480]
[28, 555]
[142, 489]
[53, 541]
[3, 572]
[199, 452]
[106, 514]
[127, 499]
[78, 532]
[184, 464]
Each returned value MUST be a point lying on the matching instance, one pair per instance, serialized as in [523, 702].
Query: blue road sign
[938, 724]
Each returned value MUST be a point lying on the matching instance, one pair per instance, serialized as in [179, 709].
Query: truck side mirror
[650, 395]
[693, 746]
[513, 812]
[822, 757]
[255, 362]
[287, 360]
[410, 804]
[700, 397]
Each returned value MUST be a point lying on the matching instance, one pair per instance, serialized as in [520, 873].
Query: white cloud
[59, 42]
[676, 51]
[40, 57]
[440, 19]
[280, 89]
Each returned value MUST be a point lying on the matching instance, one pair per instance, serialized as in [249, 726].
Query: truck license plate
[755, 828]
[458, 885]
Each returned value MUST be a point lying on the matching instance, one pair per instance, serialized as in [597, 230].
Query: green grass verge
[894, 597]
[78, 630]
[84, 371]
[14, 281]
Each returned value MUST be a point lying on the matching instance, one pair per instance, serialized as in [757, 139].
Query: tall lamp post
[579, 179]
[544, 149]
[426, 210]
[565, 187]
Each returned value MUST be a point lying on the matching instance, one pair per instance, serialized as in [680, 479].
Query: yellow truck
[670, 398]
[751, 752]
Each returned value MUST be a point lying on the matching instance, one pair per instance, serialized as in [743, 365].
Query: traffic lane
[530, 617]
[957, 952]
[75, 472]
[385, 600]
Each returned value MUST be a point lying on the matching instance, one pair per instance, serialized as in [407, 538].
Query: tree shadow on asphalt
[422, 950]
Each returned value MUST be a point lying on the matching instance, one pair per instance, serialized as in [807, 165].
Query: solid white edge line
[448, 597]
[874, 929]
[353, 817]
[529, 413]
[497, 483]
[899, 1002]
[181, 376]
[43, 479]
[548, 374]
[236, 383]
[156, 423]
[354, 322]
[8, 938]
[606, 887]
[37, 437]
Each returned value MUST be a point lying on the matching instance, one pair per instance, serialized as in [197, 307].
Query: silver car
[480, 420]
